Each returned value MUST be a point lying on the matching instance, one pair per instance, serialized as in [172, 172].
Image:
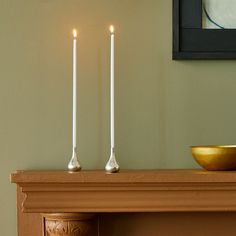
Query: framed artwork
[204, 29]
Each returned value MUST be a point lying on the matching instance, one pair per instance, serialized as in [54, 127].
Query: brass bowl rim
[216, 146]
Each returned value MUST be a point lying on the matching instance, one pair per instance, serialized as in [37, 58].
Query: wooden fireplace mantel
[128, 191]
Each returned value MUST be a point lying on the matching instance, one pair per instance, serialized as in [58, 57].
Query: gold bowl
[215, 157]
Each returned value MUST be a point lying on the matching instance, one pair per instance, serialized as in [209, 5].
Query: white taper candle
[74, 129]
[112, 88]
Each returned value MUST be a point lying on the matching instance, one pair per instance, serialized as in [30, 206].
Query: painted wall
[162, 106]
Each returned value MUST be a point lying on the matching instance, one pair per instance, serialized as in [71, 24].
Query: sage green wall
[162, 106]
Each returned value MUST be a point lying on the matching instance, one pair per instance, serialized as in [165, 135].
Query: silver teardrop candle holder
[74, 164]
[112, 165]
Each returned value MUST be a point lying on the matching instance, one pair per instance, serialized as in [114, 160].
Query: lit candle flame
[112, 29]
[75, 33]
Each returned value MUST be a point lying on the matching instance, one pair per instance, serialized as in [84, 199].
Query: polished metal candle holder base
[112, 165]
[74, 164]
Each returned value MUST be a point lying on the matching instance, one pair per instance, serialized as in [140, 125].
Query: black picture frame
[191, 41]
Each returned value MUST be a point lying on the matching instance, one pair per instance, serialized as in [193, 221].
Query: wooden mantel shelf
[127, 191]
